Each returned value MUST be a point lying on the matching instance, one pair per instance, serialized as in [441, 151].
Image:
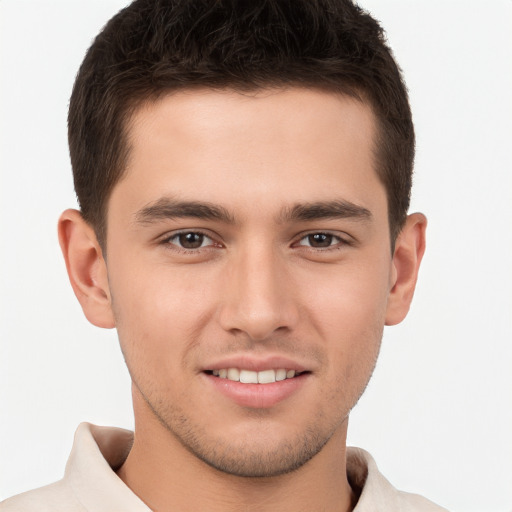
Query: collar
[90, 472]
[99, 451]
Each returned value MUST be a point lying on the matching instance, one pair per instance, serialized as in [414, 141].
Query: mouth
[245, 376]
[257, 382]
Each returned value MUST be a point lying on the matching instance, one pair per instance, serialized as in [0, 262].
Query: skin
[261, 285]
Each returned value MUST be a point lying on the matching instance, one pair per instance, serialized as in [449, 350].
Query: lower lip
[257, 396]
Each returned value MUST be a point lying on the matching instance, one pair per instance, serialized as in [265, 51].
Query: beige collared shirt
[90, 483]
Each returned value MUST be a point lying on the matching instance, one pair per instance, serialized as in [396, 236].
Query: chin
[260, 462]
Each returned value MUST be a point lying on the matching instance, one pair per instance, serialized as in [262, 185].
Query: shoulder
[90, 481]
[376, 492]
[57, 497]
[415, 503]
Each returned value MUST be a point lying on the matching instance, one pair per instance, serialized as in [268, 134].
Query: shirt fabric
[90, 483]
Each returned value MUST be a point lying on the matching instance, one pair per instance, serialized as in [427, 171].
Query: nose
[258, 295]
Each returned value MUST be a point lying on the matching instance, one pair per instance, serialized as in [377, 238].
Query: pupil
[191, 240]
[320, 240]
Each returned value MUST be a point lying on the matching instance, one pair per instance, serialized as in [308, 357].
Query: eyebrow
[168, 208]
[338, 209]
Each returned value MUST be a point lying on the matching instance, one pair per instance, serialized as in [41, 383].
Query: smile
[253, 377]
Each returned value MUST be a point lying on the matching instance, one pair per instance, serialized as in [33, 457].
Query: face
[249, 267]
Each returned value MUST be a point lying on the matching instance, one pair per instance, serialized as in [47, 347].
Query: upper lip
[257, 364]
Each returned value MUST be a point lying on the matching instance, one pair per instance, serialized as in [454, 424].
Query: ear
[409, 249]
[86, 268]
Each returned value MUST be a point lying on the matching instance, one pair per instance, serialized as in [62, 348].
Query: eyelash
[174, 246]
[340, 241]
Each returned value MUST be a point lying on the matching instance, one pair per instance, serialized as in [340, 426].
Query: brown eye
[190, 240]
[320, 240]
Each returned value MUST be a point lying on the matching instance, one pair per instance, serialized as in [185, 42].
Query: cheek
[348, 312]
[349, 301]
[159, 313]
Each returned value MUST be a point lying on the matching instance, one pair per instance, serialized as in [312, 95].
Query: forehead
[267, 147]
[217, 115]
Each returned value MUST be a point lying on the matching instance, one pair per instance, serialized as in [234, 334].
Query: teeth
[233, 374]
[280, 374]
[248, 377]
[266, 376]
[251, 377]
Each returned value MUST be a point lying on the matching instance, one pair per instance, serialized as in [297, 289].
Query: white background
[437, 415]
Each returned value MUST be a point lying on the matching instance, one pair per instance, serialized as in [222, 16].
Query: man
[244, 173]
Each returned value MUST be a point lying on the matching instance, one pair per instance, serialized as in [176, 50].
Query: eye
[320, 240]
[190, 240]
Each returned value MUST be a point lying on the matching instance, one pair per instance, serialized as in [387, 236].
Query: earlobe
[409, 249]
[86, 268]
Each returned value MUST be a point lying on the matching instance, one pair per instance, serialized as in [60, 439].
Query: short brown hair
[156, 46]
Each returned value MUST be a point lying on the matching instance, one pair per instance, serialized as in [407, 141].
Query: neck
[163, 473]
